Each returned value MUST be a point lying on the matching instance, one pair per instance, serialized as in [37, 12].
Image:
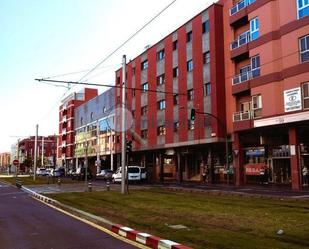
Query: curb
[126, 232]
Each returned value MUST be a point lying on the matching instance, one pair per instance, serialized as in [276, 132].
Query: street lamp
[223, 126]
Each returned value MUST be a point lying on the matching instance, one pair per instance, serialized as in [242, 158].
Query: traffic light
[129, 146]
[192, 114]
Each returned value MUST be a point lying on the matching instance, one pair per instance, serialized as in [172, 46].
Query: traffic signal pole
[223, 126]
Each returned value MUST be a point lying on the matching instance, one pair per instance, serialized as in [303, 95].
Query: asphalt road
[29, 224]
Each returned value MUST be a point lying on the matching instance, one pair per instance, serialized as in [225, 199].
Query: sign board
[15, 162]
[292, 100]
[254, 169]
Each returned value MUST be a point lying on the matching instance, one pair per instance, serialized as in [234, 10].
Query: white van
[134, 174]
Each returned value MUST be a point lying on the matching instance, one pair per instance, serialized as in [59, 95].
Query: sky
[49, 38]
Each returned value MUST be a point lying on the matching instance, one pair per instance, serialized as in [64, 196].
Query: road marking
[105, 230]
[301, 196]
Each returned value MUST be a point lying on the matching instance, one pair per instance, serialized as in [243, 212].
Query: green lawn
[213, 221]
[38, 181]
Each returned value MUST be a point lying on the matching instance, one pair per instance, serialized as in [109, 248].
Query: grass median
[211, 221]
[40, 180]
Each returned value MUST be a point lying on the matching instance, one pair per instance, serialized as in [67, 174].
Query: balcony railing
[240, 5]
[247, 115]
[240, 116]
[241, 40]
[246, 76]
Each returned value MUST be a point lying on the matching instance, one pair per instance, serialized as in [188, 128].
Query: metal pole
[17, 166]
[86, 160]
[98, 149]
[111, 150]
[35, 150]
[227, 159]
[42, 161]
[123, 125]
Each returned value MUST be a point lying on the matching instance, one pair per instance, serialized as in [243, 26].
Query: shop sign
[292, 100]
[254, 169]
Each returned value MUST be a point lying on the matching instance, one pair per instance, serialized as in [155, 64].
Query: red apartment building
[47, 145]
[244, 62]
[65, 150]
[267, 88]
[187, 66]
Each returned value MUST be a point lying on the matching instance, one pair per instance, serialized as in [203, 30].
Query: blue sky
[45, 38]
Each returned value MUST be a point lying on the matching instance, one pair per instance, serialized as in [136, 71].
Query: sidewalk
[268, 190]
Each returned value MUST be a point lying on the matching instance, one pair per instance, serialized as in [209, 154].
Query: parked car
[79, 174]
[134, 174]
[106, 174]
[55, 173]
[41, 172]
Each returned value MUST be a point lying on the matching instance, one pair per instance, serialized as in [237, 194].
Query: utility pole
[98, 148]
[111, 149]
[17, 166]
[123, 125]
[86, 158]
[42, 159]
[35, 150]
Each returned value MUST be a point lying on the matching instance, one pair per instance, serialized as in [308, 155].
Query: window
[176, 126]
[118, 80]
[190, 124]
[161, 105]
[256, 102]
[161, 130]
[144, 65]
[144, 110]
[144, 134]
[175, 72]
[304, 48]
[145, 87]
[133, 92]
[205, 27]
[206, 57]
[255, 66]
[189, 65]
[176, 99]
[160, 55]
[190, 94]
[254, 28]
[302, 8]
[133, 70]
[133, 113]
[207, 89]
[118, 100]
[305, 88]
[175, 45]
[81, 121]
[161, 79]
[104, 109]
[189, 36]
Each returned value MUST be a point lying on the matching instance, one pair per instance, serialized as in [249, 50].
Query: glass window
[255, 62]
[175, 72]
[144, 65]
[304, 48]
[176, 126]
[205, 27]
[160, 55]
[254, 28]
[144, 134]
[161, 105]
[207, 89]
[190, 124]
[161, 130]
[175, 45]
[145, 87]
[161, 79]
[302, 8]
[133, 70]
[176, 99]
[189, 36]
[189, 65]
[190, 94]
[206, 57]
[144, 110]
[305, 88]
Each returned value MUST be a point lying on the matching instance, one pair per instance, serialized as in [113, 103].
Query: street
[28, 224]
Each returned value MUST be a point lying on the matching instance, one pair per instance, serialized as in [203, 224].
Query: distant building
[94, 121]
[65, 149]
[5, 160]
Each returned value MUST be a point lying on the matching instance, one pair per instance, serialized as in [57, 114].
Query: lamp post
[223, 126]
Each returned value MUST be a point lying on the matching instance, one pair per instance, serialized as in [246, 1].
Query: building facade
[266, 59]
[5, 161]
[46, 151]
[65, 149]
[94, 132]
[185, 70]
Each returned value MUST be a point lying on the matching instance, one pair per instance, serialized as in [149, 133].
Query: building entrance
[280, 170]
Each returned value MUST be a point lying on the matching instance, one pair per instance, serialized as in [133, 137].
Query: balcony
[240, 116]
[241, 40]
[246, 76]
[240, 5]
[64, 143]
